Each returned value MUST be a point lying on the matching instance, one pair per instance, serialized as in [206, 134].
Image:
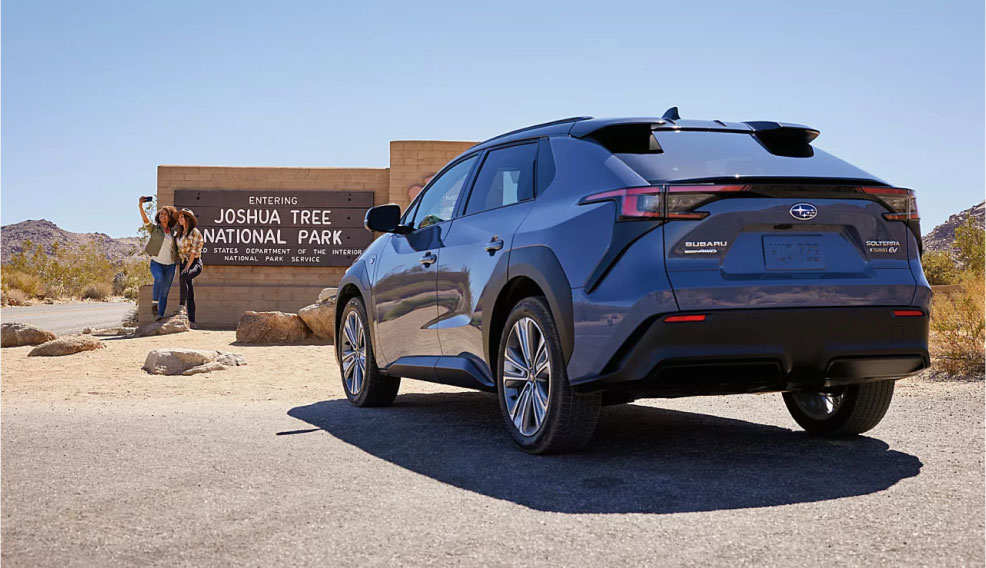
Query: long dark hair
[172, 216]
[189, 220]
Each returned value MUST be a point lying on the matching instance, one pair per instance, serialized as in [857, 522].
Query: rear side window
[506, 177]
[687, 155]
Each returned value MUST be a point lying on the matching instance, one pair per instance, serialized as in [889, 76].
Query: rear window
[689, 155]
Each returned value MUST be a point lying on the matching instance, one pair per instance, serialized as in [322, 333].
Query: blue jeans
[164, 275]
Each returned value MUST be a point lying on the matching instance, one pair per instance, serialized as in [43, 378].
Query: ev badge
[804, 211]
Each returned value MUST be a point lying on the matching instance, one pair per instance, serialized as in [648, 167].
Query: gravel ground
[268, 464]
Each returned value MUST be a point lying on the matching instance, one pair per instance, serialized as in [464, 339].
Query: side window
[438, 202]
[507, 176]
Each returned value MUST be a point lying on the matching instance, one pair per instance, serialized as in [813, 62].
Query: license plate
[793, 253]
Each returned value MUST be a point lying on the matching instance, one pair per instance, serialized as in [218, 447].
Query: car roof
[583, 126]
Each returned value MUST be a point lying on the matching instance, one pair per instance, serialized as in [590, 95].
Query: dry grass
[29, 284]
[15, 297]
[97, 291]
[958, 328]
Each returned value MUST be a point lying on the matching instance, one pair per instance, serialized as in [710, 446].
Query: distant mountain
[941, 237]
[46, 233]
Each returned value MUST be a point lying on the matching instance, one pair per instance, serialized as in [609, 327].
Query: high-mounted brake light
[908, 313]
[680, 319]
[901, 202]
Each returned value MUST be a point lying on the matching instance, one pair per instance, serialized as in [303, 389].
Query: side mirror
[383, 218]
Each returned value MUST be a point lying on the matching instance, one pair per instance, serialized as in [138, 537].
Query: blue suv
[588, 261]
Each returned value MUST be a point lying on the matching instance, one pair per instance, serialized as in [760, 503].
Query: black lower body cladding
[739, 351]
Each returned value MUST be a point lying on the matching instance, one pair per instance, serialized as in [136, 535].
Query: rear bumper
[738, 351]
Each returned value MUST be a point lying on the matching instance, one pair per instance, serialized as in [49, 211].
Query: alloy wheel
[353, 353]
[526, 376]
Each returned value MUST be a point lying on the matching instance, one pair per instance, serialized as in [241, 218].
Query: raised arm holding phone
[163, 250]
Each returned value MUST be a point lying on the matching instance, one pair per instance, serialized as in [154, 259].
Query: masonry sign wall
[279, 228]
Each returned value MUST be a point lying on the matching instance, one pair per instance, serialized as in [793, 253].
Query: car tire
[362, 381]
[541, 411]
[842, 411]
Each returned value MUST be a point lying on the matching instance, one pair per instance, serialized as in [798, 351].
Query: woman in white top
[163, 250]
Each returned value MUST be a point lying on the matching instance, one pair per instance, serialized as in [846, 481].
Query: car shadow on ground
[641, 460]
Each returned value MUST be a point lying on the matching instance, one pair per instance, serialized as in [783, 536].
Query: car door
[478, 240]
[405, 299]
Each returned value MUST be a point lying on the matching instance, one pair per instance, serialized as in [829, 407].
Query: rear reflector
[908, 313]
[678, 319]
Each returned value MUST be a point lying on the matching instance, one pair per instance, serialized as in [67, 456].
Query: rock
[327, 294]
[171, 324]
[88, 331]
[231, 360]
[207, 368]
[66, 346]
[272, 328]
[15, 334]
[178, 361]
[111, 331]
[320, 318]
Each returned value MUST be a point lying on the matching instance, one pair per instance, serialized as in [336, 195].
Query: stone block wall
[224, 292]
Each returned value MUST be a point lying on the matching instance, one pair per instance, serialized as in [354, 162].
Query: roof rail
[543, 124]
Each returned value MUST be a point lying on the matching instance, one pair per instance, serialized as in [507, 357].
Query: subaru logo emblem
[804, 211]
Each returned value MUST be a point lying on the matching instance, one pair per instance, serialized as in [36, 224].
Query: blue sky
[96, 94]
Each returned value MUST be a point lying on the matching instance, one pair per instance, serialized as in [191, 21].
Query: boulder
[178, 361]
[320, 318]
[66, 346]
[171, 324]
[15, 334]
[272, 328]
[326, 295]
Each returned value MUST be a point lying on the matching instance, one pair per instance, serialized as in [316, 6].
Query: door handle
[494, 245]
[428, 259]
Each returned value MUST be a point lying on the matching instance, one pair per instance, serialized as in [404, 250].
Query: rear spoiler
[779, 138]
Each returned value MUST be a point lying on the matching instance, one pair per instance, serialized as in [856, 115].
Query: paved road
[69, 318]
[434, 480]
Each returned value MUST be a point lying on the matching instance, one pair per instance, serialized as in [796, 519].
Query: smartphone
[146, 199]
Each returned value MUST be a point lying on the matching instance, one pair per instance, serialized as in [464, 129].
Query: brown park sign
[279, 228]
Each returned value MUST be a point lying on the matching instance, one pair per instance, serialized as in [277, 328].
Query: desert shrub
[15, 297]
[970, 246]
[29, 284]
[97, 291]
[939, 267]
[958, 327]
[135, 273]
[66, 271]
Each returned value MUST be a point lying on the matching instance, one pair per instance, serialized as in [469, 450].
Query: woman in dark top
[190, 243]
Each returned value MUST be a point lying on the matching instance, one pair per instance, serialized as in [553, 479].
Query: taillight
[633, 202]
[678, 202]
[683, 199]
[901, 202]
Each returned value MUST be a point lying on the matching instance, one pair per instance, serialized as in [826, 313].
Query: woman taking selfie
[164, 253]
[190, 255]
